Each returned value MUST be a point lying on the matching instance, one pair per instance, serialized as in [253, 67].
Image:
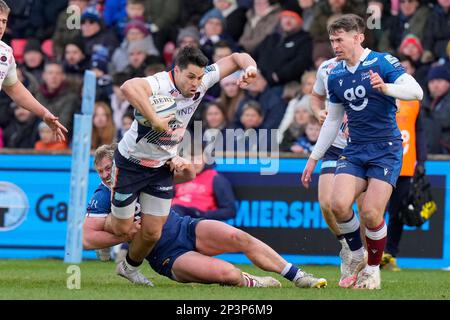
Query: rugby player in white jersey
[139, 169]
[15, 89]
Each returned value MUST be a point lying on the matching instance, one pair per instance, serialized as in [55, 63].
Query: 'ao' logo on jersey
[352, 94]
[13, 206]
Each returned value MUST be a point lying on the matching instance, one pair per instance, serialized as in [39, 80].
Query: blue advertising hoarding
[34, 197]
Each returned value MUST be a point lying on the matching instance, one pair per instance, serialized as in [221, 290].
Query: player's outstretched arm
[317, 106]
[98, 234]
[22, 97]
[235, 62]
[95, 237]
[137, 91]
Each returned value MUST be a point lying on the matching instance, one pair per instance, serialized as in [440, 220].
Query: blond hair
[4, 7]
[106, 150]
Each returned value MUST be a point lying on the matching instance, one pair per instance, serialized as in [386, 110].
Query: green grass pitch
[47, 279]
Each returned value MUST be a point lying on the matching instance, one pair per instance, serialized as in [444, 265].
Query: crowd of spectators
[54, 42]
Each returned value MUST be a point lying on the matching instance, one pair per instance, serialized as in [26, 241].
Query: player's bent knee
[340, 208]
[150, 235]
[371, 217]
[230, 275]
[325, 206]
[241, 238]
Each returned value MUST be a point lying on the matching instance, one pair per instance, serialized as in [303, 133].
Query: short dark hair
[189, 55]
[222, 44]
[4, 7]
[347, 22]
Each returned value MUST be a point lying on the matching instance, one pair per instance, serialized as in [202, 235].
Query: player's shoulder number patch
[392, 60]
[210, 68]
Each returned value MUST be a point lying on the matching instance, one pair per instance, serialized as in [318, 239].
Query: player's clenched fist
[377, 82]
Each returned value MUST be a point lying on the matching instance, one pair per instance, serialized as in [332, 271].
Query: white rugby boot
[354, 267]
[260, 282]
[368, 278]
[134, 276]
[307, 280]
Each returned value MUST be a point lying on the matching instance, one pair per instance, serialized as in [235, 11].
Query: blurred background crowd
[55, 41]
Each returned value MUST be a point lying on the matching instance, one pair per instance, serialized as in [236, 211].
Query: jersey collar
[363, 57]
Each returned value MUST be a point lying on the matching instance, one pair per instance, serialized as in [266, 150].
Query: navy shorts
[177, 238]
[378, 160]
[130, 179]
[330, 159]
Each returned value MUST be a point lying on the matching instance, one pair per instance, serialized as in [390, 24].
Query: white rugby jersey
[147, 147]
[321, 87]
[8, 74]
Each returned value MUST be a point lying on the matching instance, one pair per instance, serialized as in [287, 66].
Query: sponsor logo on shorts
[166, 262]
[160, 188]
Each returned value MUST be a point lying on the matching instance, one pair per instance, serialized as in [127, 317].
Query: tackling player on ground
[185, 251]
[363, 85]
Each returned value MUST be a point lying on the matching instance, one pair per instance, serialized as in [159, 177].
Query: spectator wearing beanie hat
[94, 33]
[99, 65]
[189, 36]
[75, 63]
[212, 31]
[135, 30]
[34, 58]
[411, 46]
[436, 108]
[138, 58]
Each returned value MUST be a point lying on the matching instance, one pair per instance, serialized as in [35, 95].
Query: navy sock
[290, 273]
[350, 231]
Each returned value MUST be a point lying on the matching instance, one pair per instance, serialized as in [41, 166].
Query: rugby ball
[163, 105]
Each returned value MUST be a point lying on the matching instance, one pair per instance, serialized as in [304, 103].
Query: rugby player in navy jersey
[364, 85]
[185, 251]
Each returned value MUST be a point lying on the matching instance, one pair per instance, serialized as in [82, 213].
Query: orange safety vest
[406, 120]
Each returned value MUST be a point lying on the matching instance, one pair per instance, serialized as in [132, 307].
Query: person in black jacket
[283, 57]
[22, 131]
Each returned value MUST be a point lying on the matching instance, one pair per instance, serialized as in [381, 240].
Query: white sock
[358, 254]
[299, 274]
[286, 269]
[372, 269]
